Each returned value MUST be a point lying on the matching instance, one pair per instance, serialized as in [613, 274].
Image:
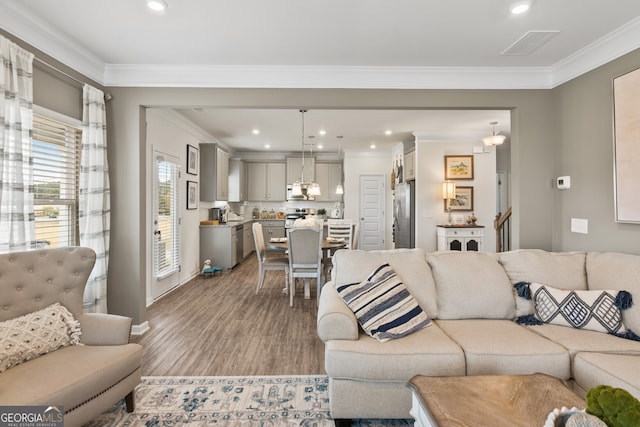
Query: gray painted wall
[583, 130]
[565, 131]
[532, 149]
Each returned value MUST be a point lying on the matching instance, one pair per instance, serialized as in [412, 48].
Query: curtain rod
[107, 96]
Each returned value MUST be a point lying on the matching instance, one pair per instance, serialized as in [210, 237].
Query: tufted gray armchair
[85, 379]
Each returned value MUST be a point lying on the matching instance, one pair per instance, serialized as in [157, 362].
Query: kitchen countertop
[233, 223]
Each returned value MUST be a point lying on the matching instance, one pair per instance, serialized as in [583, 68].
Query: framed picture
[626, 150]
[458, 167]
[192, 160]
[463, 200]
[192, 195]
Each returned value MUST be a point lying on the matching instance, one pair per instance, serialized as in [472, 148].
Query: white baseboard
[140, 329]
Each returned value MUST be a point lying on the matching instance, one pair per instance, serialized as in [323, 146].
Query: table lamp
[448, 194]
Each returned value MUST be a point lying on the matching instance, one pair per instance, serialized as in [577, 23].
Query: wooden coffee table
[488, 400]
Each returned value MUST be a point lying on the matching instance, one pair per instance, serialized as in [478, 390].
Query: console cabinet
[460, 238]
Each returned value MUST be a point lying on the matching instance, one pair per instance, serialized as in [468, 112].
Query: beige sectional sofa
[471, 299]
[84, 379]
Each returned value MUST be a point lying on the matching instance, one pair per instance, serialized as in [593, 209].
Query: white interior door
[166, 223]
[372, 204]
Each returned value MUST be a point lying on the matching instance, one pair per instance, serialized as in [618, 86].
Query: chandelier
[493, 139]
[301, 187]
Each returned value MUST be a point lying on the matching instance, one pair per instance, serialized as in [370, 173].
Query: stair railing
[502, 224]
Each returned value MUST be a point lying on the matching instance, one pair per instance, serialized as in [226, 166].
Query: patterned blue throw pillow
[593, 310]
[383, 306]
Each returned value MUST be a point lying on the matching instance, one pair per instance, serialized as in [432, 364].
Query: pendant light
[493, 139]
[301, 186]
[339, 187]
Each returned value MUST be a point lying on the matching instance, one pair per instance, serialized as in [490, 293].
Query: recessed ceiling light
[267, 146]
[157, 5]
[256, 131]
[520, 7]
[320, 147]
[322, 132]
[387, 132]
[372, 146]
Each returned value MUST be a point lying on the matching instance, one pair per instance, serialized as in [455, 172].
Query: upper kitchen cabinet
[294, 165]
[409, 168]
[237, 180]
[266, 182]
[328, 177]
[214, 173]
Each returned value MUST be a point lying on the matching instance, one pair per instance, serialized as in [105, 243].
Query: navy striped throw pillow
[383, 306]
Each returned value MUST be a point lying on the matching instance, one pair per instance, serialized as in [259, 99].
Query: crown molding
[322, 77]
[19, 22]
[614, 45]
[39, 34]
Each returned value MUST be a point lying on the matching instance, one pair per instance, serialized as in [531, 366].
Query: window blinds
[56, 173]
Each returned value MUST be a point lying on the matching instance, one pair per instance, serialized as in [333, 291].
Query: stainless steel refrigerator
[404, 222]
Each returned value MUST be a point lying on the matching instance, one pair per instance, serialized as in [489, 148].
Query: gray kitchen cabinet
[219, 245]
[294, 165]
[328, 177]
[214, 173]
[266, 182]
[237, 180]
[272, 229]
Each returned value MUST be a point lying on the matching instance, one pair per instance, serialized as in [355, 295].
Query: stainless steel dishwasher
[239, 243]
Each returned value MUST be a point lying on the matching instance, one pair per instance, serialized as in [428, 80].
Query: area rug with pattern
[230, 401]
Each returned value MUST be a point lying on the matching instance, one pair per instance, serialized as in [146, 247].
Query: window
[56, 173]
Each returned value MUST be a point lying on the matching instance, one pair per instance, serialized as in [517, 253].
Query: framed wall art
[626, 124]
[192, 195]
[192, 160]
[458, 167]
[463, 200]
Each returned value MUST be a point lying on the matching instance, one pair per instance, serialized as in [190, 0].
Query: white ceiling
[282, 128]
[327, 44]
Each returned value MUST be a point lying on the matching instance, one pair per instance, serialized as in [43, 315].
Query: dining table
[329, 245]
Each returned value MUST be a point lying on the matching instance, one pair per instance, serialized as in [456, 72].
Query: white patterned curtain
[17, 222]
[95, 196]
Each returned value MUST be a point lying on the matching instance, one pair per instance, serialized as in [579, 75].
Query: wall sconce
[448, 194]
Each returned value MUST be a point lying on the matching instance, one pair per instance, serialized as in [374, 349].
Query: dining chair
[338, 229]
[356, 231]
[341, 229]
[268, 262]
[305, 258]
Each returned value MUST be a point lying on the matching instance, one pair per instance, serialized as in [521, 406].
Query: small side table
[460, 237]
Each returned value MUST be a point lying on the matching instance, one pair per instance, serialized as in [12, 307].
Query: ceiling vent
[529, 42]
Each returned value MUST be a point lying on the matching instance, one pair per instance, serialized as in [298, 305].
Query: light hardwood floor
[218, 326]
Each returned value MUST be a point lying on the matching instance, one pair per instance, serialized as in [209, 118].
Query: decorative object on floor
[229, 401]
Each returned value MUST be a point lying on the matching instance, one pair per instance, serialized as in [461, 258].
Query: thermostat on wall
[563, 182]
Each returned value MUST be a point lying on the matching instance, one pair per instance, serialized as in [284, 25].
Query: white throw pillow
[383, 306]
[592, 310]
[27, 337]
